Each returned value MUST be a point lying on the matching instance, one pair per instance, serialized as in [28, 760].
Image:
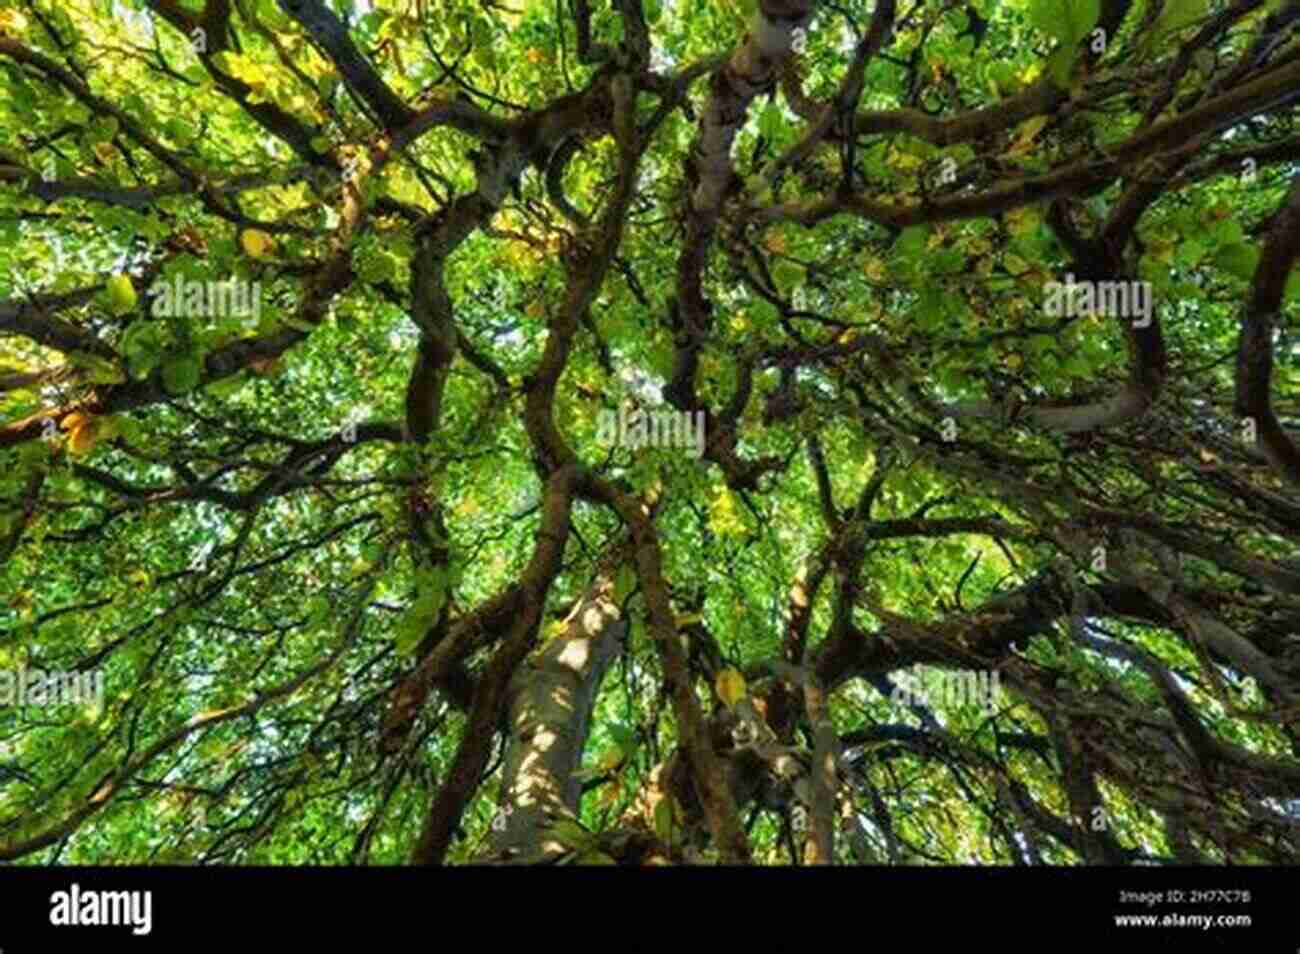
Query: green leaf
[1190, 252]
[1292, 292]
[1177, 15]
[787, 275]
[930, 309]
[624, 582]
[911, 242]
[1069, 22]
[130, 431]
[947, 261]
[121, 294]
[377, 267]
[226, 386]
[1066, 20]
[318, 608]
[572, 835]
[1238, 259]
[34, 454]
[181, 374]
[410, 630]
[1042, 15]
[770, 121]
[142, 346]
[98, 369]
[432, 584]
[664, 819]
[623, 735]
[1060, 65]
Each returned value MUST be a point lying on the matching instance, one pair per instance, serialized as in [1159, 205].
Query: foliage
[317, 544]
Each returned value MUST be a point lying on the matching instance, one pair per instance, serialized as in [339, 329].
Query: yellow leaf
[1025, 136]
[140, 578]
[904, 161]
[609, 795]
[610, 760]
[1022, 220]
[874, 268]
[75, 420]
[121, 294]
[724, 515]
[209, 715]
[1032, 127]
[12, 22]
[730, 686]
[256, 243]
[82, 437]
[104, 150]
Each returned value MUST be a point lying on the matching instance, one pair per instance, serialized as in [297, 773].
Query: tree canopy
[654, 431]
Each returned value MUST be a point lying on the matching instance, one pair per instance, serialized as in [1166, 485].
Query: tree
[650, 432]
